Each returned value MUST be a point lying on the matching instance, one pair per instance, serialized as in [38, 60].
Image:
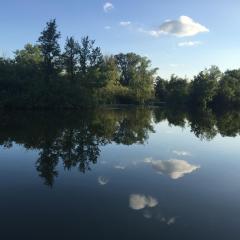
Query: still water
[120, 174]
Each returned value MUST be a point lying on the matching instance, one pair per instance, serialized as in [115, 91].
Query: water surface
[120, 174]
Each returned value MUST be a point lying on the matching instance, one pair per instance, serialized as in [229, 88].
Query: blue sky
[179, 36]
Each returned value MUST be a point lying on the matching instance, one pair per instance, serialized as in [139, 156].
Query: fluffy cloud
[189, 44]
[138, 202]
[103, 180]
[107, 7]
[183, 27]
[125, 24]
[174, 168]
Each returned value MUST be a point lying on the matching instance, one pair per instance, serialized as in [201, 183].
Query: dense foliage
[41, 76]
[209, 89]
[44, 76]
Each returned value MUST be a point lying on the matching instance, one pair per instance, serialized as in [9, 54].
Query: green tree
[142, 85]
[178, 90]
[30, 55]
[136, 74]
[204, 86]
[127, 64]
[90, 61]
[28, 63]
[110, 75]
[50, 48]
[229, 90]
[161, 92]
[89, 56]
[70, 57]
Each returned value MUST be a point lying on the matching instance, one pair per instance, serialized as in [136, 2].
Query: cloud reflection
[138, 202]
[120, 167]
[103, 180]
[174, 168]
[171, 221]
[182, 153]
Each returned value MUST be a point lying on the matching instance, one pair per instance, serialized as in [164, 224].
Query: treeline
[43, 76]
[210, 88]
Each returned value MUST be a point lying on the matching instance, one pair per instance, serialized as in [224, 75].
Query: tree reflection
[75, 139]
[204, 123]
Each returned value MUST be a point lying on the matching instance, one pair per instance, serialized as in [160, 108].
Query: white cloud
[107, 27]
[138, 202]
[182, 153]
[174, 168]
[189, 44]
[125, 23]
[183, 27]
[107, 7]
[103, 180]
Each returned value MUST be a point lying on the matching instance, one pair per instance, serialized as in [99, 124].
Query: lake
[120, 174]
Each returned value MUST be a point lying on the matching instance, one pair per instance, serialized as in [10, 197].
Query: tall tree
[136, 74]
[110, 76]
[50, 48]
[204, 86]
[161, 89]
[90, 61]
[229, 90]
[71, 57]
[89, 56]
[127, 64]
[178, 90]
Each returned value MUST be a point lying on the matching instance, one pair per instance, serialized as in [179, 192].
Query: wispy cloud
[182, 153]
[189, 44]
[120, 167]
[171, 221]
[183, 27]
[107, 27]
[107, 7]
[148, 160]
[125, 23]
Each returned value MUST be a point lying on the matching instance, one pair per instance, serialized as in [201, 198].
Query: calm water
[120, 174]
